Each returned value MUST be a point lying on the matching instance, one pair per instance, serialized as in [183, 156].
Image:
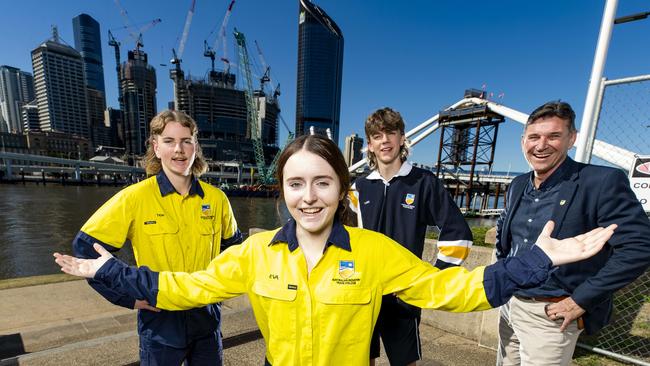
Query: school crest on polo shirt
[347, 273]
[409, 199]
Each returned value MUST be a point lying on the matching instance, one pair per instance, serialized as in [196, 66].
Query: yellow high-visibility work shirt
[325, 317]
[168, 231]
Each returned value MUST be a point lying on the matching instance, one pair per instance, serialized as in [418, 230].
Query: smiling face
[545, 144]
[311, 191]
[386, 146]
[176, 149]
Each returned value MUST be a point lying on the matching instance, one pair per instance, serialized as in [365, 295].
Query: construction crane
[251, 106]
[136, 34]
[116, 46]
[211, 52]
[266, 78]
[177, 56]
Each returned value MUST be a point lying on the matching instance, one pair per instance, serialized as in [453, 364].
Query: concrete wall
[479, 326]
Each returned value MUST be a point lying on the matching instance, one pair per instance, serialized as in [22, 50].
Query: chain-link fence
[623, 116]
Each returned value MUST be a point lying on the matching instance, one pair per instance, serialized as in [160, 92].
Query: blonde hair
[152, 163]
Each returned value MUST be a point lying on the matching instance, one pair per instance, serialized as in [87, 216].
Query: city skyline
[417, 59]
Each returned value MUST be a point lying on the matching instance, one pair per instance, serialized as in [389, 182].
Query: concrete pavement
[67, 323]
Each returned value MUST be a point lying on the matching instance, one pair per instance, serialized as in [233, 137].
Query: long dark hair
[326, 149]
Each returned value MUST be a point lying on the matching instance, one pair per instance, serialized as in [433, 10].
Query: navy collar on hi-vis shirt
[166, 186]
[287, 234]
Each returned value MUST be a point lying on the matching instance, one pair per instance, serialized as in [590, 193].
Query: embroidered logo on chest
[206, 212]
[409, 199]
[347, 274]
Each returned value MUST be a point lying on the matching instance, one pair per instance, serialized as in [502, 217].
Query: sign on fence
[640, 180]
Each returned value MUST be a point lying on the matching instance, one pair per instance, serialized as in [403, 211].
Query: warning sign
[640, 180]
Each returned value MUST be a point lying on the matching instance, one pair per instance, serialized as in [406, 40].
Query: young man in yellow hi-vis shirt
[175, 223]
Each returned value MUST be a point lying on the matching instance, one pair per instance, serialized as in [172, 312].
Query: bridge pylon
[468, 139]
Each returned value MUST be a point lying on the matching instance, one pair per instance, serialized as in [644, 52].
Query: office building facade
[352, 152]
[60, 88]
[16, 90]
[138, 83]
[320, 69]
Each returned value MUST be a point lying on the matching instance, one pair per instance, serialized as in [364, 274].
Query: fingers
[565, 324]
[548, 228]
[151, 308]
[100, 249]
[594, 242]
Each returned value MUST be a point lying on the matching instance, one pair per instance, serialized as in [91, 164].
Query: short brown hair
[326, 149]
[388, 120]
[555, 108]
[157, 126]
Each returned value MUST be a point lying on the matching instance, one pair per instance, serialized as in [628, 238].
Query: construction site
[238, 125]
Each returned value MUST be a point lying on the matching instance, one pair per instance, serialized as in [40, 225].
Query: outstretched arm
[225, 277]
[456, 289]
[573, 249]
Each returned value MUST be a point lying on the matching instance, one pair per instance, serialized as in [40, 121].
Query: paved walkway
[67, 323]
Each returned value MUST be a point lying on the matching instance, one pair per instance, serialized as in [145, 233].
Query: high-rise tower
[16, 90]
[88, 42]
[320, 67]
[138, 82]
[60, 88]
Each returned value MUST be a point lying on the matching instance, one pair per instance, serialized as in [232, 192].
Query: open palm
[573, 249]
[83, 267]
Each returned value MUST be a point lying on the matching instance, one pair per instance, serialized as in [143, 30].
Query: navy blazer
[591, 196]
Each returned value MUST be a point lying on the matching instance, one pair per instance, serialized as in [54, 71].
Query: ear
[573, 137]
[154, 143]
[370, 147]
[402, 140]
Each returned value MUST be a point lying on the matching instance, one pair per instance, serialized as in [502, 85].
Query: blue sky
[417, 56]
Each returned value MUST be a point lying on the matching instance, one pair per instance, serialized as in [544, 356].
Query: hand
[573, 249]
[83, 267]
[144, 305]
[566, 309]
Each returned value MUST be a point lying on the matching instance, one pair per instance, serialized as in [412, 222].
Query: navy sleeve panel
[237, 238]
[440, 264]
[139, 283]
[82, 247]
[503, 278]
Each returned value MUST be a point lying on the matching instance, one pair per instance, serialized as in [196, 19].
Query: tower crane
[116, 46]
[255, 130]
[176, 60]
[136, 34]
[266, 78]
[211, 52]
[176, 74]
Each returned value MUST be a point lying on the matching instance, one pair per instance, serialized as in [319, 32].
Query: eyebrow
[315, 178]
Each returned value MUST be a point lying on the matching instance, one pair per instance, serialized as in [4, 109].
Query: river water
[37, 220]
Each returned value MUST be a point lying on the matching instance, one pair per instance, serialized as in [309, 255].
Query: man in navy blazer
[541, 326]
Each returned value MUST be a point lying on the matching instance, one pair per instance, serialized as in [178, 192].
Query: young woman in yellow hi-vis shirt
[316, 285]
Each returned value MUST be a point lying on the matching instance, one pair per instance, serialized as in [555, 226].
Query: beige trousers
[528, 337]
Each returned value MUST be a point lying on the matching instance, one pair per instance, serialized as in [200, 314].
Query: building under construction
[220, 110]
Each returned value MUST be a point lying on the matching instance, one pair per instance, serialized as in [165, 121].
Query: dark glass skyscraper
[320, 67]
[138, 82]
[88, 42]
